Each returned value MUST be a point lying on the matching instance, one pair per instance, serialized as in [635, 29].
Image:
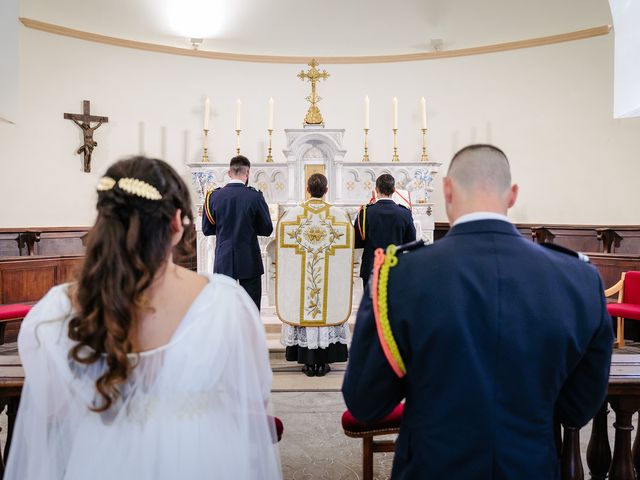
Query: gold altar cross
[315, 235]
[314, 117]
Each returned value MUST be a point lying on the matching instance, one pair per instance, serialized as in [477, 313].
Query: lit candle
[206, 113]
[270, 125]
[423, 105]
[238, 109]
[366, 112]
[395, 113]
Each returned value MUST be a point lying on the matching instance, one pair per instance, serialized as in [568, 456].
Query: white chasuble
[314, 265]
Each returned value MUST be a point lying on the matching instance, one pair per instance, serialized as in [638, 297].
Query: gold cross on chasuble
[315, 236]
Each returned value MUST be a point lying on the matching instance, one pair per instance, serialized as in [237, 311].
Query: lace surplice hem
[314, 337]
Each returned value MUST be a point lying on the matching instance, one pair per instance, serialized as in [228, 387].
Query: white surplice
[195, 408]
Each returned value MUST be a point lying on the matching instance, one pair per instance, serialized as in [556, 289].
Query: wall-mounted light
[436, 44]
[196, 42]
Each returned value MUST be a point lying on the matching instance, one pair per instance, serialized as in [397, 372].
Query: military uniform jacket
[497, 334]
[236, 215]
[378, 225]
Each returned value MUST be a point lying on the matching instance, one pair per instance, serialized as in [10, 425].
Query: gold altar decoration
[313, 117]
[424, 157]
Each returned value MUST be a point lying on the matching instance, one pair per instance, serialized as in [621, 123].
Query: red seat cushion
[631, 288]
[279, 426]
[625, 310]
[356, 428]
[14, 311]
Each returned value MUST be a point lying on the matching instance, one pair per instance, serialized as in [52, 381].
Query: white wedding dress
[193, 409]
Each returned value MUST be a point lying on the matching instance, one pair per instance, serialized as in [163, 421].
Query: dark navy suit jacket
[240, 214]
[386, 223]
[498, 334]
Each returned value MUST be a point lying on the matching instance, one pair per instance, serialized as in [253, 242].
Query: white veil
[193, 409]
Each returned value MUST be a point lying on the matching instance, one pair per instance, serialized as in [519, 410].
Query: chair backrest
[632, 288]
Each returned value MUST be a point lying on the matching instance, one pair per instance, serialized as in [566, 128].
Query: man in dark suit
[382, 223]
[236, 215]
[490, 336]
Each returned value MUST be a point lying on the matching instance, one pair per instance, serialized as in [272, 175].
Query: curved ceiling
[322, 28]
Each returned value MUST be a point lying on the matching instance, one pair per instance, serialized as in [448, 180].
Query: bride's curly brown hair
[126, 249]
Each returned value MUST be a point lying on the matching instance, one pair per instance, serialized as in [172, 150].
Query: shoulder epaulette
[558, 248]
[403, 206]
[407, 247]
[362, 223]
[252, 188]
[382, 263]
[207, 206]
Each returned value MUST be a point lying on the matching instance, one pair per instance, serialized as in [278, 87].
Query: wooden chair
[11, 313]
[356, 429]
[628, 305]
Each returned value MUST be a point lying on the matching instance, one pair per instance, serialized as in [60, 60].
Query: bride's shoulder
[48, 317]
[55, 304]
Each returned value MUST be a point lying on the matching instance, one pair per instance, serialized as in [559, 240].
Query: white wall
[549, 108]
[9, 55]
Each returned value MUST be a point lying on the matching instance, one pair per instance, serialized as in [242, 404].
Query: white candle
[423, 105]
[366, 112]
[395, 113]
[238, 109]
[206, 113]
[270, 124]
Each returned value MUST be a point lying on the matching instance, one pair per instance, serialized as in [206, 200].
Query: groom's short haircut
[386, 184]
[481, 167]
[317, 185]
[239, 165]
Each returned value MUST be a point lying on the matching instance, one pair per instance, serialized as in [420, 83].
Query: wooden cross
[314, 117]
[83, 120]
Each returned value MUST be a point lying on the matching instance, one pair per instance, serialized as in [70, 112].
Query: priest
[314, 277]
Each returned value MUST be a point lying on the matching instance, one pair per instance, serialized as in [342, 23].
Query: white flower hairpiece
[133, 186]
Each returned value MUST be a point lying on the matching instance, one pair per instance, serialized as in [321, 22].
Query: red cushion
[279, 426]
[625, 310]
[351, 425]
[631, 288]
[14, 311]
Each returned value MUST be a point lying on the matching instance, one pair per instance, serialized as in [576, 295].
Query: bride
[143, 369]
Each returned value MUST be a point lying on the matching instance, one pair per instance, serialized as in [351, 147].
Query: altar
[310, 150]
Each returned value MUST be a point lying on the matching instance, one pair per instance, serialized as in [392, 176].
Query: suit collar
[484, 226]
[235, 184]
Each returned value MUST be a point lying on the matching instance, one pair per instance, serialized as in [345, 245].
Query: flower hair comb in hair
[132, 186]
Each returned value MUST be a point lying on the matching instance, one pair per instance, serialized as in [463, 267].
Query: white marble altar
[283, 185]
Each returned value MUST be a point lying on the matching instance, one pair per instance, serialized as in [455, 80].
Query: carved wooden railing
[624, 400]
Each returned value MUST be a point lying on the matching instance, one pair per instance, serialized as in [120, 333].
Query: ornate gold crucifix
[314, 117]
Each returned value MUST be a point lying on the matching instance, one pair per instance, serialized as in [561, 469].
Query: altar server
[485, 335]
[382, 223]
[236, 215]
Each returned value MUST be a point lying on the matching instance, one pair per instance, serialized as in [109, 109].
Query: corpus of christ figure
[83, 120]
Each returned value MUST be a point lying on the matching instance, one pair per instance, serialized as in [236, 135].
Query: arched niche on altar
[314, 150]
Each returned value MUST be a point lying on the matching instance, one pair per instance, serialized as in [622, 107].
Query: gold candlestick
[238, 143]
[205, 155]
[269, 157]
[424, 157]
[365, 158]
[395, 157]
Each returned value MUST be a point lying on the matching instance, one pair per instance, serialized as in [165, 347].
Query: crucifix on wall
[83, 120]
